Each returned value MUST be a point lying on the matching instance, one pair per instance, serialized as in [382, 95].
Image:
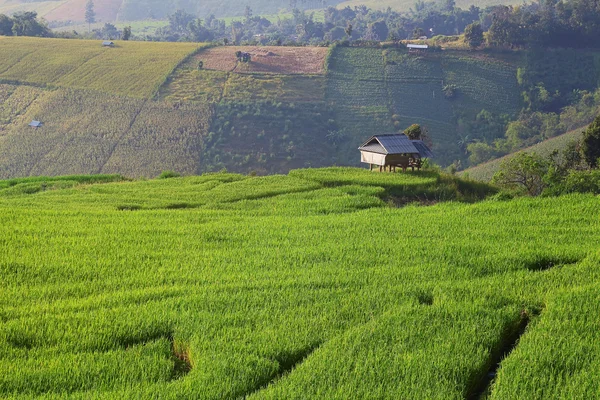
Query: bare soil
[265, 59]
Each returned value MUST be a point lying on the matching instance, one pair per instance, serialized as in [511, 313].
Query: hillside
[136, 10]
[307, 285]
[485, 172]
[140, 108]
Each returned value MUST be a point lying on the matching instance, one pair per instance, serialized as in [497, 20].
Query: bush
[168, 174]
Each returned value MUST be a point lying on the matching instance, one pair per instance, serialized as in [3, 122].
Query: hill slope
[141, 108]
[485, 172]
[300, 286]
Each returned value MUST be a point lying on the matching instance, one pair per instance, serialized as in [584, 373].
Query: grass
[301, 286]
[485, 172]
[92, 132]
[134, 69]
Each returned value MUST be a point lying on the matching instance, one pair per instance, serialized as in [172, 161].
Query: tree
[348, 31]
[26, 24]
[179, 21]
[126, 33]
[418, 33]
[474, 35]
[379, 30]
[109, 31]
[590, 144]
[6, 25]
[90, 14]
[247, 14]
[414, 132]
[523, 171]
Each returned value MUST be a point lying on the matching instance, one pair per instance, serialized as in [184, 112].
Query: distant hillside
[135, 10]
[130, 68]
[141, 108]
[485, 172]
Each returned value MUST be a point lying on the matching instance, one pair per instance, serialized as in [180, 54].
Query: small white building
[417, 48]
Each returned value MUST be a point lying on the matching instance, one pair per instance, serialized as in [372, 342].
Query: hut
[394, 150]
[108, 43]
[35, 124]
[417, 48]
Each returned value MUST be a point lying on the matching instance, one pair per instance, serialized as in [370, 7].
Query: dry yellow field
[134, 69]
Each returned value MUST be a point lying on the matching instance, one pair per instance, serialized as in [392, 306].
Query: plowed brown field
[265, 59]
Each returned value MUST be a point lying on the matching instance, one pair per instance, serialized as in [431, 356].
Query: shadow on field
[287, 361]
[481, 387]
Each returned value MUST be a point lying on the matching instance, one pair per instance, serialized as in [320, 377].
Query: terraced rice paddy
[134, 69]
[301, 286]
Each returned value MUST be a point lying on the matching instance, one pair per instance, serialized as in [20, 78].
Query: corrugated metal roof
[396, 144]
[390, 144]
[108, 43]
[374, 147]
[417, 46]
[35, 124]
[424, 151]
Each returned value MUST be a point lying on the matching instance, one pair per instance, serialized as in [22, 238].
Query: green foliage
[126, 33]
[413, 132]
[301, 286]
[474, 35]
[484, 172]
[90, 14]
[523, 172]
[168, 174]
[590, 144]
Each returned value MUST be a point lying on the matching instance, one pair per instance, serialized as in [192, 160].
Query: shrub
[168, 174]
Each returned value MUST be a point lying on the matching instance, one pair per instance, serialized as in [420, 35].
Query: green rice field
[312, 285]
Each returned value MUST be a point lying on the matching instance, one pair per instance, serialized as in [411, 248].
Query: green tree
[6, 25]
[126, 33]
[474, 35]
[348, 31]
[26, 24]
[524, 172]
[590, 144]
[414, 132]
[90, 14]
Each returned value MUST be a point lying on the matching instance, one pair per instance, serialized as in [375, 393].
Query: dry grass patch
[266, 59]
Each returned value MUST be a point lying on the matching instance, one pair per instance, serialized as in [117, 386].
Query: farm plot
[267, 137]
[89, 132]
[190, 84]
[162, 137]
[76, 136]
[304, 286]
[483, 84]
[131, 68]
[14, 101]
[357, 92]
[265, 59]
[301, 88]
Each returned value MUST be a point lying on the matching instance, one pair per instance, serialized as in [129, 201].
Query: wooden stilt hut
[394, 150]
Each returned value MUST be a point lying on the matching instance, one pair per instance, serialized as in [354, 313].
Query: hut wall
[397, 159]
[372, 158]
